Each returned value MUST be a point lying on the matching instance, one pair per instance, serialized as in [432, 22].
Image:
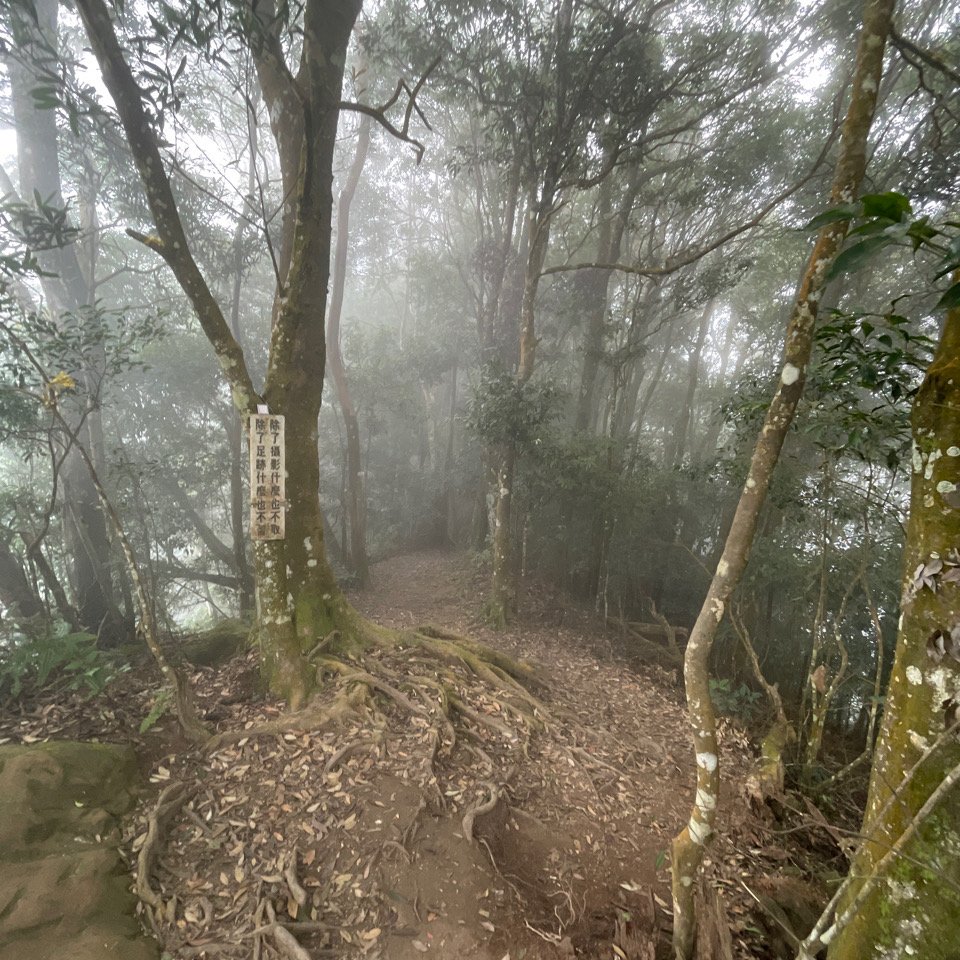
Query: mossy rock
[64, 889]
[217, 645]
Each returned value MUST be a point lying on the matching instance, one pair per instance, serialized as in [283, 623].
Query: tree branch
[905, 46]
[171, 241]
[380, 113]
[673, 264]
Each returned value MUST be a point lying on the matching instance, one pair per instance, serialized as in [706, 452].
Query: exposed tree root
[445, 639]
[348, 750]
[293, 884]
[479, 809]
[311, 718]
[171, 799]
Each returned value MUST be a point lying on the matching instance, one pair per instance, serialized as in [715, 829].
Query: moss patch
[216, 645]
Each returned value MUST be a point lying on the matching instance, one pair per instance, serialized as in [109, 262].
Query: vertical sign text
[267, 485]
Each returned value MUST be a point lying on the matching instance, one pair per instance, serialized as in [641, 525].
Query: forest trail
[612, 807]
[370, 839]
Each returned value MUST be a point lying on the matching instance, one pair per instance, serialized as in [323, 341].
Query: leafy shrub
[733, 701]
[53, 657]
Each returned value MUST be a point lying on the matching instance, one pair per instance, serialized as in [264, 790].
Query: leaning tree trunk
[912, 911]
[689, 844]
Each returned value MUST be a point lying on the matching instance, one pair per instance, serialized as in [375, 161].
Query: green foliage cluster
[734, 700]
[53, 657]
[888, 219]
[502, 409]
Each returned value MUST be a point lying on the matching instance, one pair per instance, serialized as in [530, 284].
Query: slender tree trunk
[682, 428]
[593, 296]
[355, 479]
[448, 461]
[591, 301]
[52, 582]
[500, 605]
[689, 845]
[913, 911]
[649, 393]
[235, 424]
[708, 445]
[245, 586]
[67, 292]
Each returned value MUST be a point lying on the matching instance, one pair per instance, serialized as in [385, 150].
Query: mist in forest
[518, 277]
[689, 183]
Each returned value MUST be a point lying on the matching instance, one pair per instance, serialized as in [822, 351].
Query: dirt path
[625, 789]
[520, 829]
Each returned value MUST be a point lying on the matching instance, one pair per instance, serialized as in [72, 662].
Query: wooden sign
[267, 483]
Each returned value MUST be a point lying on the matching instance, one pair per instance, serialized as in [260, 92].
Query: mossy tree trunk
[912, 910]
[297, 595]
[689, 845]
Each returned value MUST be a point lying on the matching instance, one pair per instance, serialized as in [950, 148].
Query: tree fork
[689, 845]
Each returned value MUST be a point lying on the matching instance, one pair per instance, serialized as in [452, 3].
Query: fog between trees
[518, 276]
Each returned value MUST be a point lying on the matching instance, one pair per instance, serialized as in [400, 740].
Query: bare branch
[380, 113]
[907, 47]
[678, 262]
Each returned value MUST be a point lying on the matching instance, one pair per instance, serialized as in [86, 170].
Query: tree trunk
[593, 286]
[67, 292]
[17, 596]
[298, 599]
[689, 845]
[500, 604]
[913, 911]
[355, 479]
[682, 427]
[236, 421]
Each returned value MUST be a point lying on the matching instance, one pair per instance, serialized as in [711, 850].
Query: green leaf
[892, 205]
[950, 299]
[921, 232]
[869, 228]
[846, 212]
[853, 258]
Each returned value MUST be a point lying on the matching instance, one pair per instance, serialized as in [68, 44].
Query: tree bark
[297, 595]
[689, 845]
[17, 596]
[913, 911]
